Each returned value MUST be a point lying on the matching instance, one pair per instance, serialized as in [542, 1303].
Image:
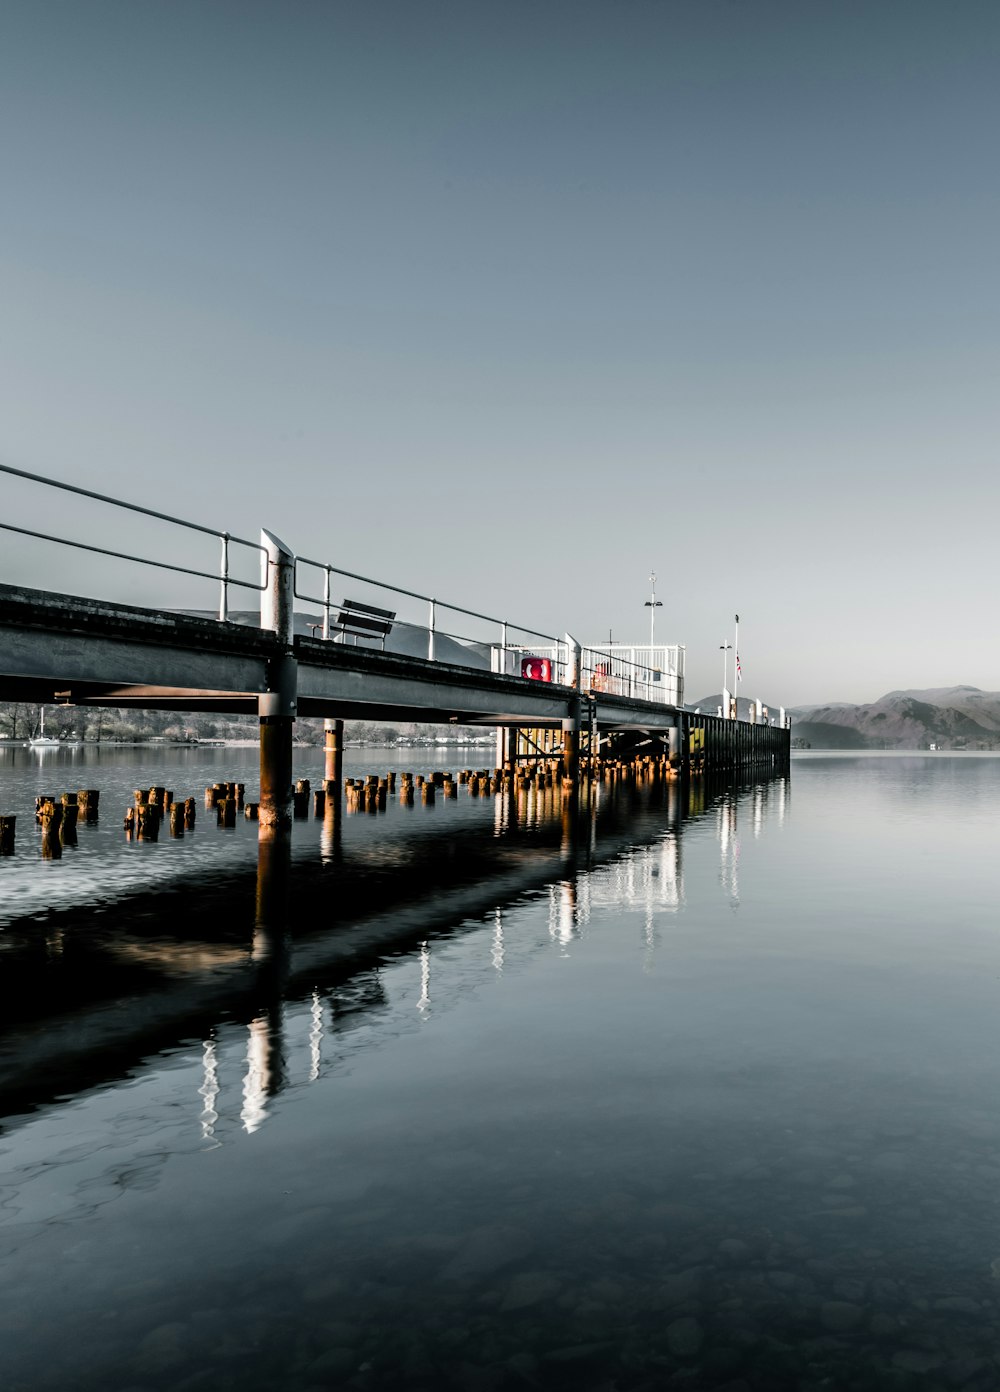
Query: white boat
[42, 740]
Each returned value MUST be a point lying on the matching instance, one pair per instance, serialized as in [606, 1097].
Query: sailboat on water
[42, 740]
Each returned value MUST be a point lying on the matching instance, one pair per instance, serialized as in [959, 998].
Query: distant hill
[953, 717]
[708, 705]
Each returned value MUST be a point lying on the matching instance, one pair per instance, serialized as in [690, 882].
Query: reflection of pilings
[265, 1067]
[209, 1089]
[569, 846]
[274, 863]
[496, 950]
[424, 1003]
[563, 911]
[729, 849]
[315, 1036]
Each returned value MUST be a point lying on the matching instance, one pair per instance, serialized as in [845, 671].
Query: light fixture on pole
[724, 649]
[652, 604]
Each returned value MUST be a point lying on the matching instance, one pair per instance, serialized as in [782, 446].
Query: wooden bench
[365, 620]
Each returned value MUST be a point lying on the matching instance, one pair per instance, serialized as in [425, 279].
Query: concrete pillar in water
[674, 746]
[571, 725]
[277, 705]
[333, 750]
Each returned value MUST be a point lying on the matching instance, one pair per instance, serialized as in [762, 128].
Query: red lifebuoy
[536, 668]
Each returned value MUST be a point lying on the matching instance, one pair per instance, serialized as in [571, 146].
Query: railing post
[430, 631]
[224, 569]
[573, 654]
[276, 706]
[326, 604]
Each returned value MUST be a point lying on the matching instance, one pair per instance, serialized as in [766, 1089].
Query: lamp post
[724, 649]
[652, 604]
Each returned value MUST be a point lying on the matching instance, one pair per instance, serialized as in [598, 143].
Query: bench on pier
[365, 621]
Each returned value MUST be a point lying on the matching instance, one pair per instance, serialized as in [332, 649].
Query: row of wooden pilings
[58, 817]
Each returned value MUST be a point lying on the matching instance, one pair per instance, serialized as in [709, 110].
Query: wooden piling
[147, 821]
[176, 819]
[70, 809]
[189, 814]
[7, 827]
[49, 812]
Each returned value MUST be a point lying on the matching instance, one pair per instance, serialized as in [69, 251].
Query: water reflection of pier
[301, 984]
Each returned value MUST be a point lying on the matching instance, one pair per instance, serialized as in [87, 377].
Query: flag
[739, 669]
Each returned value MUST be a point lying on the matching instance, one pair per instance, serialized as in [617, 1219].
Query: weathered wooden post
[276, 707]
[7, 825]
[300, 799]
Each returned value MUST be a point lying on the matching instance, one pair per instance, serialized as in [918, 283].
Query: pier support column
[276, 706]
[333, 750]
[571, 725]
[675, 746]
[571, 750]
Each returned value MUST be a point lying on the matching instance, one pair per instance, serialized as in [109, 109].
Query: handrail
[223, 575]
[130, 507]
[125, 556]
[434, 604]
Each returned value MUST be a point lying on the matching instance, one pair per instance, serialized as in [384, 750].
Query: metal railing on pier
[477, 648]
[223, 576]
[421, 625]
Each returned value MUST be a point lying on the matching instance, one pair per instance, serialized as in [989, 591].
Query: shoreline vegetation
[88, 725]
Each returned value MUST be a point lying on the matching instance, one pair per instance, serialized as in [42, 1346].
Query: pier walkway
[331, 659]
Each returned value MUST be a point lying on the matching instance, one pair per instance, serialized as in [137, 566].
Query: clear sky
[512, 302]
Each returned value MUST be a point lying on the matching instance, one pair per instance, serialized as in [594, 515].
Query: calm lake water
[703, 1095]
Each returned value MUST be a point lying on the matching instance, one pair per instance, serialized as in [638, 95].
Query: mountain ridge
[947, 717]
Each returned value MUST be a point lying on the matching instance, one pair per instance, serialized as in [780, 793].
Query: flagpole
[736, 667]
